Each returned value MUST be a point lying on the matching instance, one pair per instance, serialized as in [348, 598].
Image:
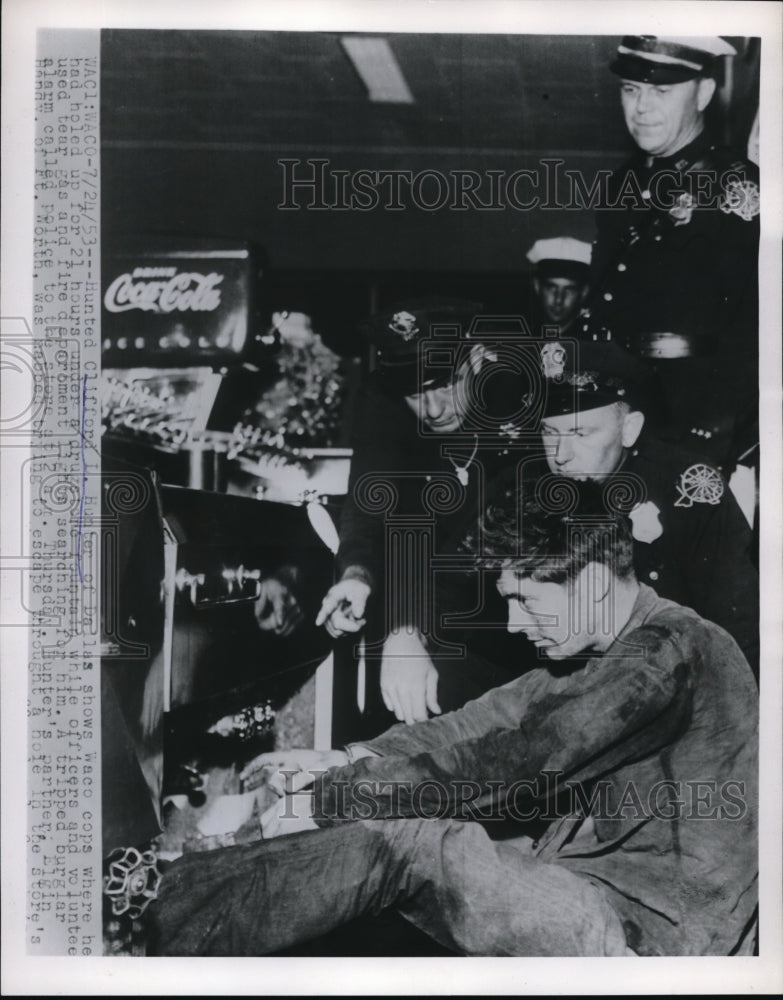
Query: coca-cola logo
[163, 290]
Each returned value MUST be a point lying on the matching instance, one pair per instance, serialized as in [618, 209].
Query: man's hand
[289, 771]
[289, 814]
[343, 607]
[276, 609]
[409, 681]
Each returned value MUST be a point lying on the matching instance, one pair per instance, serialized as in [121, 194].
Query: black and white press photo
[397, 460]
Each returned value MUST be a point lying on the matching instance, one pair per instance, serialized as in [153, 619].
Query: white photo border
[108, 976]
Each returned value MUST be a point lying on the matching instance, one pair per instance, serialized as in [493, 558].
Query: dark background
[194, 122]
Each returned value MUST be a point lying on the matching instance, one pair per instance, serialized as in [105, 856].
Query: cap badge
[404, 325]
[742, 199]
[553, 357]
[682, 209]
[699, 484]
[584, 381]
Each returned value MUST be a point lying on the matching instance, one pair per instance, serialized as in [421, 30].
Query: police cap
[400, 332]
[663, 59]
[584, 375]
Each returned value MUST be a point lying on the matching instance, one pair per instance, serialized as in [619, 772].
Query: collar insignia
[682, 209]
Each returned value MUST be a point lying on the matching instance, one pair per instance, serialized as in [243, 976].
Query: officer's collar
[684, 157]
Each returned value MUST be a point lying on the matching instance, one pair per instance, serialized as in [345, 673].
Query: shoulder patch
[741, 197]
[700, 483]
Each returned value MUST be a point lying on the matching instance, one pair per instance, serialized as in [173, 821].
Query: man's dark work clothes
[654, 746]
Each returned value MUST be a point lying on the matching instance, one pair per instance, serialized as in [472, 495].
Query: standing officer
[674, 271]
[559, 283]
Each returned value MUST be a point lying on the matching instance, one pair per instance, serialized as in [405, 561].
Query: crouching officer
[692, 543]
[428, 437]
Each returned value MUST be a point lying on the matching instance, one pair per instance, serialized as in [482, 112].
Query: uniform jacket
[681, 258]
[700, 552]
[664, 724]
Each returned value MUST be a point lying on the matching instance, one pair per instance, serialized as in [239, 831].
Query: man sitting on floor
[635, 740]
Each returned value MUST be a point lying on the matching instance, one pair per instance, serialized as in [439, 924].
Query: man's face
[560, 298]
[443, 408]
[664, 118]
[591, 444]
[557, 617]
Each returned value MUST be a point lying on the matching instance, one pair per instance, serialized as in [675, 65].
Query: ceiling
[300, 93]
[194, 123]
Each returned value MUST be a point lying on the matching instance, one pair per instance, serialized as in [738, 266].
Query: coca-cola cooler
[196, 299]
[187, 355]
[182, 353]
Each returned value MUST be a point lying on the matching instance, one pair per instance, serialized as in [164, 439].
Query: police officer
[428, 436]
[674, 271]
[692, 543]
[561, 265]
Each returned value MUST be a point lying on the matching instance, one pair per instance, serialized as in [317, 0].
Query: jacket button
[653, 574]
[621, 267]
[608, 296]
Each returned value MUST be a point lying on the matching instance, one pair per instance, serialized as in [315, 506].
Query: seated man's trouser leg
[473, 895]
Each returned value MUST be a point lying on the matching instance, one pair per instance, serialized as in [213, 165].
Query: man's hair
[552, 530]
